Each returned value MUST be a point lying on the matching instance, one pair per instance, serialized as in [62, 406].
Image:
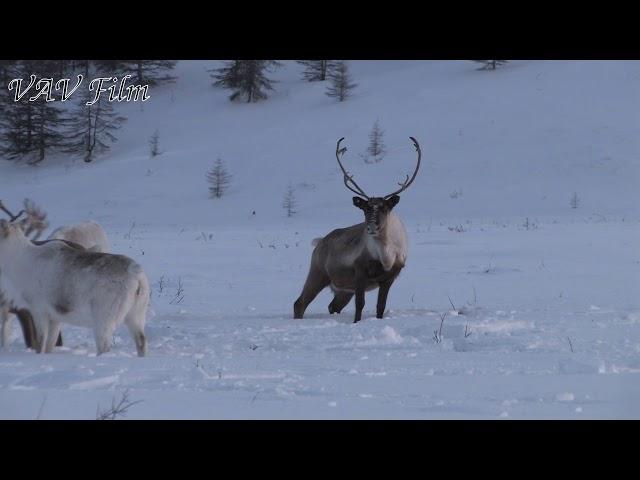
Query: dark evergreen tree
[62, 68]
[316, 70]
[341, 84]
[17, 126]
[227, 76]
[82, 66]
[219, 179]
[6, 97]
[143, 72]
[151, 72]
[114, 68]
[50, 122]
[247, 78]
[31, 129]
[91, 127]
[5, 71]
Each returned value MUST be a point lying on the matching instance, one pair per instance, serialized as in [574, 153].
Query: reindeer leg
[52, 337]
[359, 303]
[5, 318]
[28, 327]
[361, 282]
[383, 291]
[340, 300]
[316, 282]
[40, 338]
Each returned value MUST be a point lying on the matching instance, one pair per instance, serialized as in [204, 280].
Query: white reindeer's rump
[88, 234]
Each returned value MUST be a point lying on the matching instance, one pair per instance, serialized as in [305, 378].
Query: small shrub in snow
[529, 225]
[179, 295]
[490, 64]
[467, 332]
[437, 334]
[457, 229]
[154, 142]
[118, 409]
[575, 201]
[455, 194]
[289, 204]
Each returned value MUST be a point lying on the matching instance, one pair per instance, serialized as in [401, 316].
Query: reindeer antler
[348, 178]
[404, 185]
[37, 219]
[11, 215]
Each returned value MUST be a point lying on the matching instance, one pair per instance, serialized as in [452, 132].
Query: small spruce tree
[219, 179]
[341, 84]
[290, 204]
[575, 201]
[376, 149]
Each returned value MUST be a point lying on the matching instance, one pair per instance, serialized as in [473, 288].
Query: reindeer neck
[11, 262]
[14, 249]
[382, 238]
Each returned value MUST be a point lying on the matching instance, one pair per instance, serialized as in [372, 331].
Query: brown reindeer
[362, 257]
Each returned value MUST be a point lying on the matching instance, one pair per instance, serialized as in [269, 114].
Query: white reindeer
[58, 283]
[88, 235]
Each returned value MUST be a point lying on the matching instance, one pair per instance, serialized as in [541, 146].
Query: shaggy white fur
[91, 289]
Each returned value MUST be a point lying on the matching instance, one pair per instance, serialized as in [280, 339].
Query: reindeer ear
[359, 202]
[392, 201]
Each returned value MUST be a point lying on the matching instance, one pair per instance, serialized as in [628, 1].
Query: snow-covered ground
[547, 297]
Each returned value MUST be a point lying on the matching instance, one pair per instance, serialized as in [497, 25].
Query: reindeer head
[376, 209]
[9, 230]
[4, 229]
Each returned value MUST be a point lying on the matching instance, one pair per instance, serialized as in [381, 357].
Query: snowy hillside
[547, 297]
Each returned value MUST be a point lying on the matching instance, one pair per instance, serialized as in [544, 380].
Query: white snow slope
[548, 295]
